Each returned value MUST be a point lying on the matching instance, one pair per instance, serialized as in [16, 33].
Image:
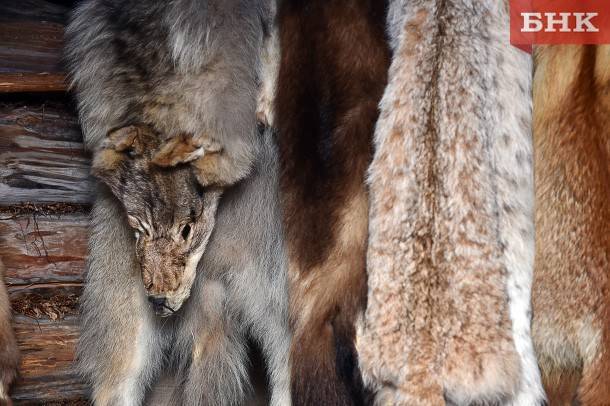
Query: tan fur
[560, 385]
[132, 137]
[177, 150]
[121, 365]
[316, 310]
[9, 353]
[450, 253]
[182, 67]
[213, 339]
[127, 137]
[311, 293]
[207, 170]
[206, 157]
[270, 58]
[217, 167]
[571, 297]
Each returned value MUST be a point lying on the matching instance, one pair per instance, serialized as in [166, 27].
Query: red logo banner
[559, 22]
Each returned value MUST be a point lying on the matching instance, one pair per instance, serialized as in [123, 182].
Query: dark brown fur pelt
[9, 354]
[334, 61]
[571, 293]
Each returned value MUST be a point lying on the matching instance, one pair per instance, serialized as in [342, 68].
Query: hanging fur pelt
[9, 353]
[334, 61]
[451, 243]
[571, 292]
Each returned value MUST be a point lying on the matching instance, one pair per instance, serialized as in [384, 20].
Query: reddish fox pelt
[571, 297]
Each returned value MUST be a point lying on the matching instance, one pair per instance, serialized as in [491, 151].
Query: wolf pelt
[333, 63]
[180, 66]
[571, 292]
[451, 232]
[9, 353]
[240, 291]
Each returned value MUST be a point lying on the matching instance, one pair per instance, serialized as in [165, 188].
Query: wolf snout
[159, 303]
[157, 300]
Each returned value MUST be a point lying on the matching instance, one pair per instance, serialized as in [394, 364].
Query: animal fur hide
[451, 243]
[182, 70]
[181, 67]
[9, 354]
[334, 60]
[571, 292]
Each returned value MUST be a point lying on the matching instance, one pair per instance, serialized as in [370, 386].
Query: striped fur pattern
[451, 243]
[571, 293]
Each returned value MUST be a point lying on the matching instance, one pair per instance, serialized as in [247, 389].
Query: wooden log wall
[45, 192]
[31, 33]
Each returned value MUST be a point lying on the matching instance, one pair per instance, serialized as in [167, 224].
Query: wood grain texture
[31, 46]
[34, 10]
[46, 371]
[44, 249]
[31, 41]
[42, 159]
[32, 82]
[46, 328]
[44, 256]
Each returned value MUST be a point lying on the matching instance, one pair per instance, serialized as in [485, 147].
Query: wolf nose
[157, 301]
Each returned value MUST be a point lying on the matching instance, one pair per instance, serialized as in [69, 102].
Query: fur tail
[325, 366]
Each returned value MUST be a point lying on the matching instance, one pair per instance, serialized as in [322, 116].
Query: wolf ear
[177, 150]
[118, 146]
[135, 139]
[123, 143]
[124, 138]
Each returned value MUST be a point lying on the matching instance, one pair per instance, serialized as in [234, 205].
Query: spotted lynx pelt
[451, 243]
[9, 354]
[181, 66]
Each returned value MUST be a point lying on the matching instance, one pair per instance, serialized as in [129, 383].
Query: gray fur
[171, 214]
[239, 291]
[180, 66]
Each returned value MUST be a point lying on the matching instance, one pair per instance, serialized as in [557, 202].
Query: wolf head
[171, 214]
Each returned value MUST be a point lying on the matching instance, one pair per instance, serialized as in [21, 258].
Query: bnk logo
[559, 22]
[562, 22]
